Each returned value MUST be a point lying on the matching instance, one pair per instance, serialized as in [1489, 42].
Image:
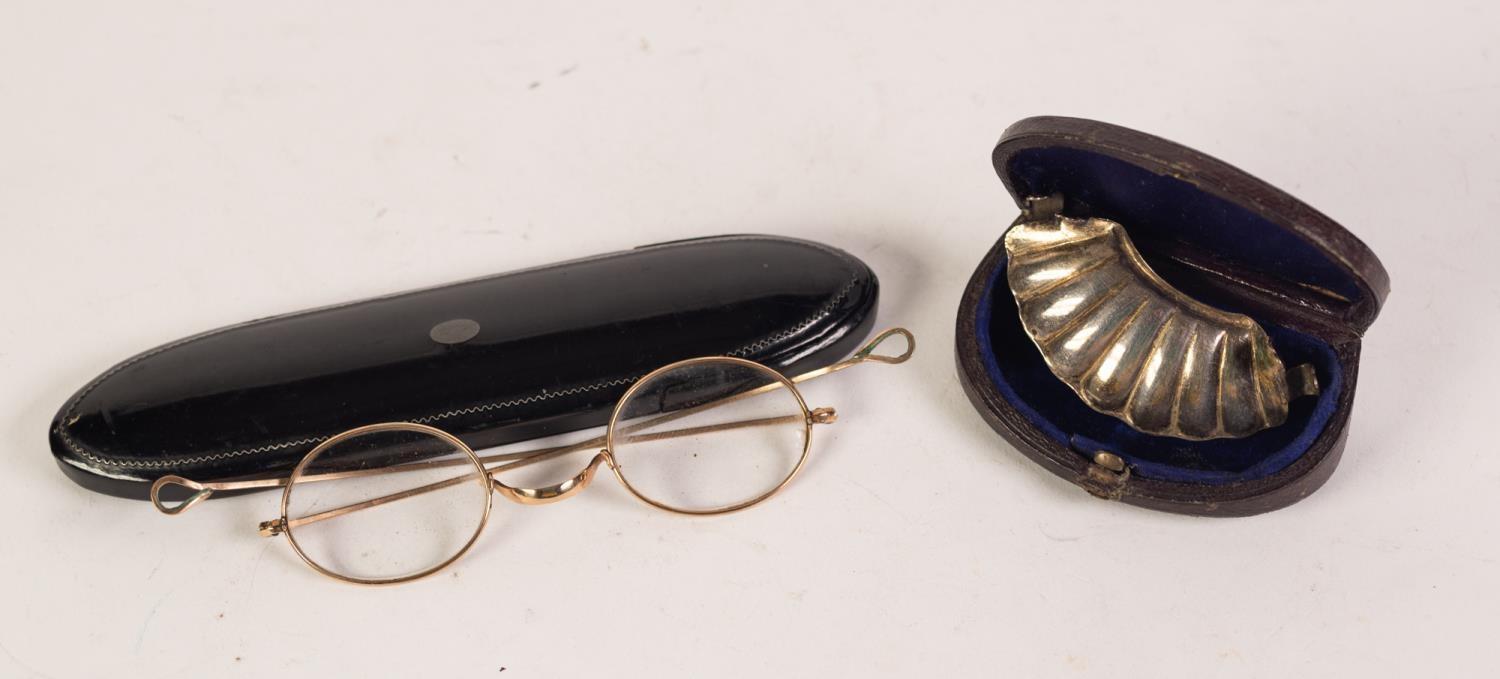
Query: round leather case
[1218, 235]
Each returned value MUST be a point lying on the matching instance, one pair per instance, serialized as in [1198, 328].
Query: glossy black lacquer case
[494, 360]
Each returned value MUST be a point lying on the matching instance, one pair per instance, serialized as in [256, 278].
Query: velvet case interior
[1160, 211]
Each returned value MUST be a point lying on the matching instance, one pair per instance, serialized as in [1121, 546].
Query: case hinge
[1041, 208]
[1106, 476]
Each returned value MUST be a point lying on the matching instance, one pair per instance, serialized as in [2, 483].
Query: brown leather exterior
[1341, 327]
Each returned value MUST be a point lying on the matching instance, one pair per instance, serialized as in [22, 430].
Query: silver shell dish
[1132, 346]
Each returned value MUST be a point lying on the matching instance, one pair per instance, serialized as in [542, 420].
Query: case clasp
[1106, 476]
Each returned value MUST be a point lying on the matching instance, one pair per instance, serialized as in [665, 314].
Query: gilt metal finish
[1132, 346]
[485, 468]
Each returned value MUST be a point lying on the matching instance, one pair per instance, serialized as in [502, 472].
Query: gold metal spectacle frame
[484, 469]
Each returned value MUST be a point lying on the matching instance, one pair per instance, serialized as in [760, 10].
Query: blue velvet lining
[1156, 208]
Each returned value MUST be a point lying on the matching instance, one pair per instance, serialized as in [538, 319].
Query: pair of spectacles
[394, 502]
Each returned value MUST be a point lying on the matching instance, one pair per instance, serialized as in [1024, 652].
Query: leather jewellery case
[1143, 411]
[494, 360]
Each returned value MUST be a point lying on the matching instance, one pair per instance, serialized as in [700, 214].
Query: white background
[167, 168]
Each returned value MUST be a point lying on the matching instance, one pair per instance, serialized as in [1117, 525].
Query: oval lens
[709, 435]
[387, 503]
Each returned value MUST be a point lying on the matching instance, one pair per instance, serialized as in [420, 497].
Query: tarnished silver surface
[1133, 346]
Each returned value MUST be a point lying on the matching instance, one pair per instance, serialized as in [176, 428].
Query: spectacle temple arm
[524, 495]
[866, 354]
[522, 458]
[512, 460]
